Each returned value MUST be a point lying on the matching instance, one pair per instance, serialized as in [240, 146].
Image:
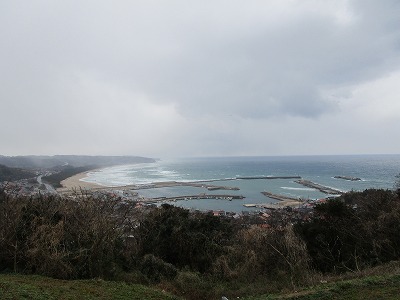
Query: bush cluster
[89, 237]
[355, 231]
[80, 237]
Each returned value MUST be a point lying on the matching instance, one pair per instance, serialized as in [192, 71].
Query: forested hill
[11, 174]
[34, 162]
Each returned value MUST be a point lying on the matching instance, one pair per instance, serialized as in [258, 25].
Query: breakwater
[348, 178]
[268, 177]
[279, 197]
[284, 201]
[321, 188]
[197, 197]
[209, 187]
[271, 205]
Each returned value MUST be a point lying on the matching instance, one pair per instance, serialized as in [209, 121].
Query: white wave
[297, 189]
[165, 172]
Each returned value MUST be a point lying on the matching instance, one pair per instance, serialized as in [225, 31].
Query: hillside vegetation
[66, 172]
[12, 174]
[197, 255]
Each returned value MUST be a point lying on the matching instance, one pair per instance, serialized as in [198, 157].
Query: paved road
[48, 186]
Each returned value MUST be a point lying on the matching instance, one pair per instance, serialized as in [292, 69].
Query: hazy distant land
[57, 168]
[43, 161]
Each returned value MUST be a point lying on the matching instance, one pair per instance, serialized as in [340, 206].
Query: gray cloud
[138, 69]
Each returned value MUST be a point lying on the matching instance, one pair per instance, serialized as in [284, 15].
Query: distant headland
[45, 161]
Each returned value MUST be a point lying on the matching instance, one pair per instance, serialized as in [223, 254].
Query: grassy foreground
[385, 287]
[34, 287]
[43, 288]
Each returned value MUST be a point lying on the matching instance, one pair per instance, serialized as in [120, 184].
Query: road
[48, 186]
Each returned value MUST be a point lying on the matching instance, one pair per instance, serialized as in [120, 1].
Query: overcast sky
[199, 78]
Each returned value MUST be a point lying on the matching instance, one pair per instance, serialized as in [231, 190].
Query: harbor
[186, 193]
[298, 178]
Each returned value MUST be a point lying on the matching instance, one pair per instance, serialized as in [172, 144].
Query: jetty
[207, 184]
[209, 187]
[268, 177]
[200, 184]
[278, 205]
[284, 201]
[348, 178]
[264, 205]
[321, 188]
[279, 197]
[196, 197]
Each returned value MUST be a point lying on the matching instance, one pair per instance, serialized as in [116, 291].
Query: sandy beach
[75, 182]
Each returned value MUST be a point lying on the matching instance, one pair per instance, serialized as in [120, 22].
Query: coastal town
[250, 216]
[281, 209]
[269, 208]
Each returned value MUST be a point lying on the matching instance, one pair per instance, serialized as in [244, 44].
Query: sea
[375, 171]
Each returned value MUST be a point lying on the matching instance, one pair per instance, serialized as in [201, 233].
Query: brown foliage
[77, 237]
[269, 253]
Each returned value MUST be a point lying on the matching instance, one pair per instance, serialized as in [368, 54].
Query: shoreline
[75, 182]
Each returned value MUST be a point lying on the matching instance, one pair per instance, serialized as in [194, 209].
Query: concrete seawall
[321, 188]
[348, 178]
[268, 177]
[196, 197]
[279, 197]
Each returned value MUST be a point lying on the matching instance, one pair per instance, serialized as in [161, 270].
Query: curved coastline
[75, 182]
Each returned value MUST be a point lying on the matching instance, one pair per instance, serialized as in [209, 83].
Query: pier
[268, 177]
[284, 201]
[199, 184]
[263, 205]
[210, 187]
[196, 197]
[348, 178]
[163, 184]
[279, 197]
[321, 188]
[266, 205]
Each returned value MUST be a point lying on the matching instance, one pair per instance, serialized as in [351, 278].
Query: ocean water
[375, 171]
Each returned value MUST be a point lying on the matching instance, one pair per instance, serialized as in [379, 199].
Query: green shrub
[155, 269]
